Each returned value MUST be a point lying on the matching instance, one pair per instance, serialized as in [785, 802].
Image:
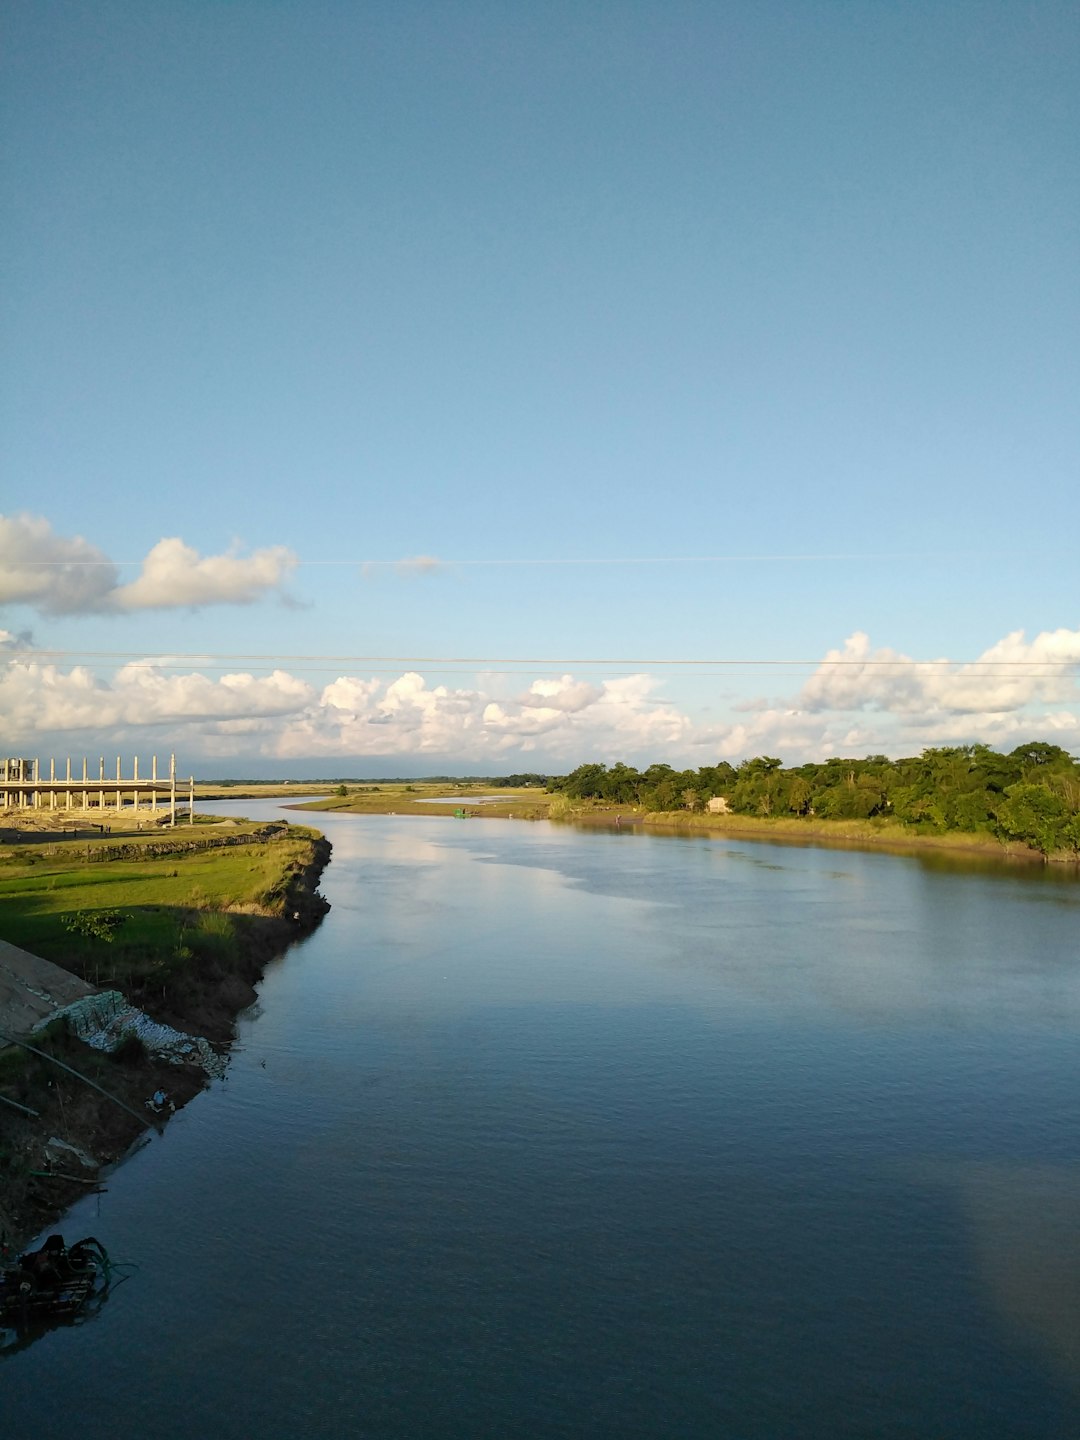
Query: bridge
[23, 787]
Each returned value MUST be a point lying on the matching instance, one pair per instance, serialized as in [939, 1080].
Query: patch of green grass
[166, 906]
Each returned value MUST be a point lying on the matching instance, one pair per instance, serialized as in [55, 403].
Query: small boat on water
[55, 1282]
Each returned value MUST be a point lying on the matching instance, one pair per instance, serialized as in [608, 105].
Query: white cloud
[55, 574]
[41, 698]
[566, 695]
[1008, 676]
[58, 575]
[410, 717]
[173, 574]
[845, 709]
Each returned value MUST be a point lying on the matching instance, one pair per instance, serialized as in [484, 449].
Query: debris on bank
[60, 1152]
[55, 1284]
[106, 1020]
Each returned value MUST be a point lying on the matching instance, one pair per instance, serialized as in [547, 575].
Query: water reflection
[1023, 1222]
[597, 1134]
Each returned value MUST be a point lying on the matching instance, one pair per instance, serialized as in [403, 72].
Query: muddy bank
[39, 1180]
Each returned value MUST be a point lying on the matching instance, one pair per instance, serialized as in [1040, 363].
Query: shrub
[96, 924]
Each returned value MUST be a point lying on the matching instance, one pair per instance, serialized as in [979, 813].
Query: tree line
[1030, 795]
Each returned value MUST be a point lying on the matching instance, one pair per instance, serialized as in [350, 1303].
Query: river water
[586, 1134]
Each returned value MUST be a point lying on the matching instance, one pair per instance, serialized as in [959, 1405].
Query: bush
[96, 924]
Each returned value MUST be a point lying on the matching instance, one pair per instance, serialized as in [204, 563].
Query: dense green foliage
[1031, 795]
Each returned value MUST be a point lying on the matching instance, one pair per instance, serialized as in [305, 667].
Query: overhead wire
[432, 563]
[172, 657]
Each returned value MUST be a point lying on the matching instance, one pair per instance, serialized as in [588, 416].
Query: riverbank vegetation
[1029, 797]
[182, 923]
[155, 915]
[1026, 801]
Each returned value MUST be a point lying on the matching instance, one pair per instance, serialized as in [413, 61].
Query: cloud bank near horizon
[859, 700]
[67, 575]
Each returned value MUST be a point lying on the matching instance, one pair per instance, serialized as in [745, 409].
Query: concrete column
[153, 792]
[68, 806]
[52, 777]
[172, 791]
[191, 801]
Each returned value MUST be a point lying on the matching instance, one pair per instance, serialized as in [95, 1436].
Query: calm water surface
[548, 1133]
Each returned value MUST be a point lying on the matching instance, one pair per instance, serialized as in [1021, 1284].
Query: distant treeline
[1031, 795]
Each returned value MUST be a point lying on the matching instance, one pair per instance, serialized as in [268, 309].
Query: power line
[434, 562]
[208, 657]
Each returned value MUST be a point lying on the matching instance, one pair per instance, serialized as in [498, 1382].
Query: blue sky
[781, 299]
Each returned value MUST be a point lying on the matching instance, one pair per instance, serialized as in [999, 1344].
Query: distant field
[228, 790]
[419, 798]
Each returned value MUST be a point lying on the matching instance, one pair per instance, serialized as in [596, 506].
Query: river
[549, 1133]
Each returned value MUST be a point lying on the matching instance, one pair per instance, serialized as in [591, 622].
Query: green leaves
[96, 924]
[1030, 796]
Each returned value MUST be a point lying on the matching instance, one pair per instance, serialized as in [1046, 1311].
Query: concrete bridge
[23, 787]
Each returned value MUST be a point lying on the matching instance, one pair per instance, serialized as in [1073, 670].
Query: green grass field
[170, 903]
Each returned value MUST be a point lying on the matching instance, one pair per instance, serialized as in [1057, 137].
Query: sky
[419, 388]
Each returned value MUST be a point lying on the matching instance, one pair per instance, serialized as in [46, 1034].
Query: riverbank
[859, 834]
[203, 911]
[533, 804]
[434, 798]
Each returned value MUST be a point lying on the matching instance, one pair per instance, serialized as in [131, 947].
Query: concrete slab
[33, 989]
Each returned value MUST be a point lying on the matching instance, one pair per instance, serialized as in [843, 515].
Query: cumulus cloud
[56, 574]
[1009, 675]
[59, 575]
[850, 706]
[173, 574]
[565, 717]
[40, 697]
[566, 695]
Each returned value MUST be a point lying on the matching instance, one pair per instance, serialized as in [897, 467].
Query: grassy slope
[176, 905]
[200, 927]
[42, 884]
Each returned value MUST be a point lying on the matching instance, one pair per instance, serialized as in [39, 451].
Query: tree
[1037, 754]
[1036, 816]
